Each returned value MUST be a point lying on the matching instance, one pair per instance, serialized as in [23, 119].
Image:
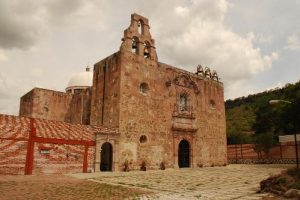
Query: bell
[146, 53]
[215, 76]
[134, 45]
[207, 72]
[199, 70]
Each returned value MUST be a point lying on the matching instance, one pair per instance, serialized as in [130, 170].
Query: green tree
[263, 143]
[264, 127]
[239, 122]
[253, 115]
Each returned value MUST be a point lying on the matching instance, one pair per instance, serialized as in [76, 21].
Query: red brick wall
[13, 144]
[61, 159]
[12, 156]
[70, 147]
[246, 151]
[91, 159]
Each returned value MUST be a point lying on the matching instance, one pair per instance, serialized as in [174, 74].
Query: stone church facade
[161, 116]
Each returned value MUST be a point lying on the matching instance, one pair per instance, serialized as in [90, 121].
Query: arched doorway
[184, 154]
[106, 157]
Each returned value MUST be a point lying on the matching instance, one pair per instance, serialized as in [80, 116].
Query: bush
[294, 172]
[279, 184]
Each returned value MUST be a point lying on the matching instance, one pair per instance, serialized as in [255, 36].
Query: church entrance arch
[106, 157]
[184, 154]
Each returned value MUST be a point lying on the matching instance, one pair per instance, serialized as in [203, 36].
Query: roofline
[78, 87]
[171, 67]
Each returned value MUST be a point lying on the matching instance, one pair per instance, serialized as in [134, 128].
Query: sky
[254, 45]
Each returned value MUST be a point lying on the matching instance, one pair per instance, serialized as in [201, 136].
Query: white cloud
[275, 86]
[19, 23]
[264, 39]
[8, 91]
[24, 23]
[182, 11]
[203, 38]
[36, 72]
[293, 43]
[3, 56]
[59, 33]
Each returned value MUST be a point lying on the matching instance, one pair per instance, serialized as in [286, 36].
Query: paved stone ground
[211, 183]
[57, 187]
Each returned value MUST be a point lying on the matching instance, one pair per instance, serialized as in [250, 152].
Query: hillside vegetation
[253, 119]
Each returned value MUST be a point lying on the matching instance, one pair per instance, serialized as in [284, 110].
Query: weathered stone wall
[146, 114]
[54, 105]
[153, 114]
[26, 104]
[156, 113]
[150, 121]
[46, 104]
[79, 111]
[106, 92]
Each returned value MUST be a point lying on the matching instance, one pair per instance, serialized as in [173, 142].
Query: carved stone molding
[185, 80]
[183, 125]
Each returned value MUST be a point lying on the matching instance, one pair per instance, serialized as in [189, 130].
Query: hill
[252, 116]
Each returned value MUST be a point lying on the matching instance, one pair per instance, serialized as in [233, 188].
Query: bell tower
[137, 38]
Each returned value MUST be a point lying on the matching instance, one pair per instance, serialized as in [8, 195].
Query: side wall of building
[26, 104]
[210, 141]
[54, 105]
[79, 111]
[106, 92]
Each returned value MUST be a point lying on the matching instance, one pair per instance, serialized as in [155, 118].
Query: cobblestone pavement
[211, 183]
[57, 187]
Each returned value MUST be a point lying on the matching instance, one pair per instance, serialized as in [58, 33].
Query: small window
[212, 104]
[143, 139]
[46, 108]
[45, 151]
[144, 88]
[140, 27]
[183, 102]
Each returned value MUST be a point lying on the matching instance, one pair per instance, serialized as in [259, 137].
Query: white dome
[81, 80]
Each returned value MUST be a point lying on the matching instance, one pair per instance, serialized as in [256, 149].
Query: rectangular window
[45, 151]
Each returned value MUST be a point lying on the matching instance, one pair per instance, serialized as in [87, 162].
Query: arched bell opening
[146, 50]
[134, 45]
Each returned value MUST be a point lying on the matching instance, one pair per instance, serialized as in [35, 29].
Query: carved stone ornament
[184, 80]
